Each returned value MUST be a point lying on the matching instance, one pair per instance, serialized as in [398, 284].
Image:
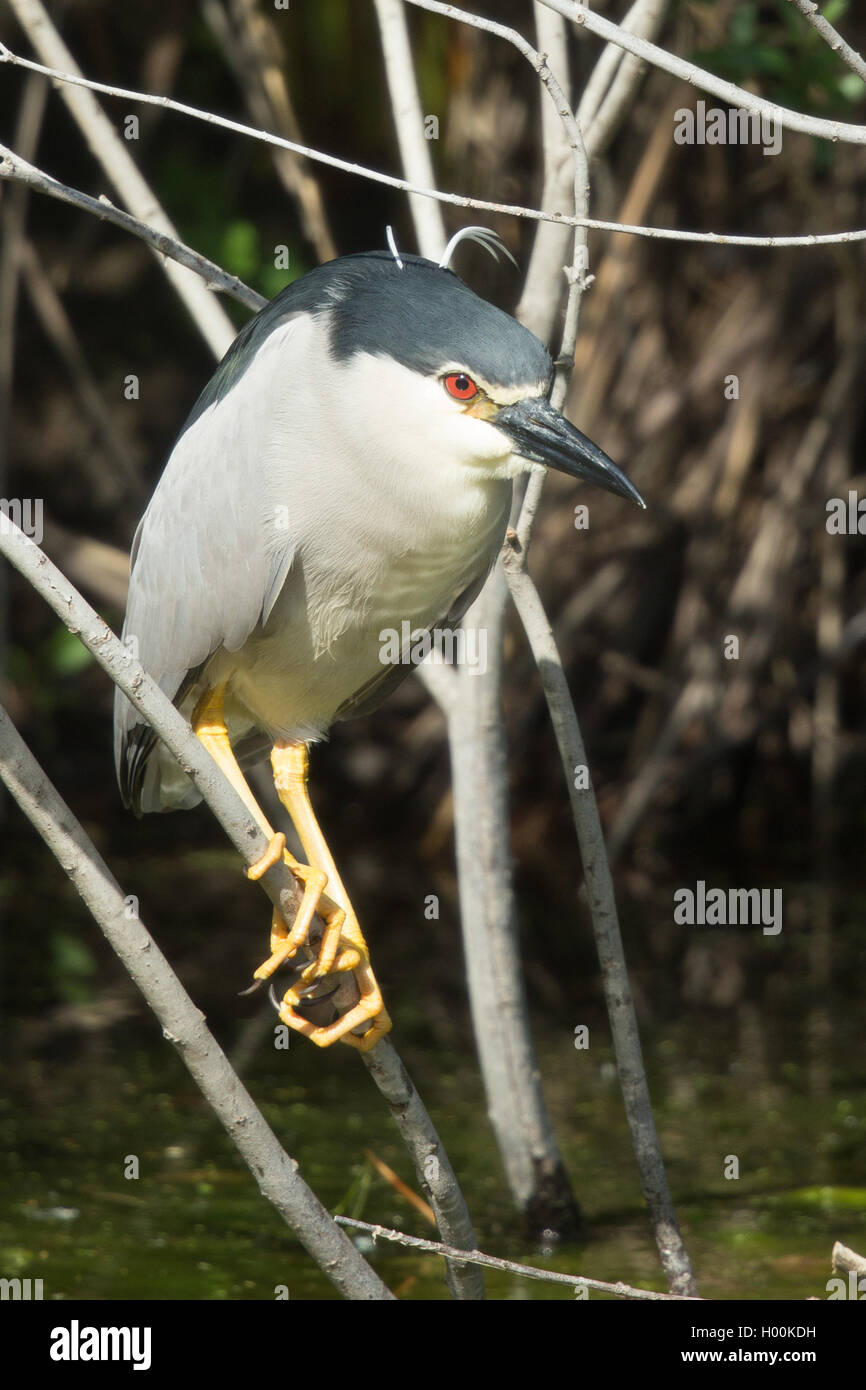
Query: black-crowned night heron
[347, 470]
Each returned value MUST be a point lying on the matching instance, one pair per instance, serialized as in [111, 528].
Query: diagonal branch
[812, 15]
[708, 82]
[106, 145]
[644, 19]
[599, 884]
[15, 169]
[542, 289]
[578, 1282]
[277, 1174]
[382, 1062]
[252, 48]
[833, 130]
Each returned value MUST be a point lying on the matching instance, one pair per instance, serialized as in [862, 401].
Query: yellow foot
[342, 950]
[370, 1008]
[272, 854]
[342, 947]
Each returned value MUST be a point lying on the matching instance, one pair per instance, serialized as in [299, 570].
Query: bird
[347, 470]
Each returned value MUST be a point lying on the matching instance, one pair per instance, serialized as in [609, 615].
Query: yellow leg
[343, 947]
[208, 723]
[290, 767]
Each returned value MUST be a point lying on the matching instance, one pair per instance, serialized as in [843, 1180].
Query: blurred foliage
[773, 46]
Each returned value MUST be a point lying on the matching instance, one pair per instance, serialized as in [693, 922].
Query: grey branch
[538, 306]
[833, 130]
[599, 884]
[606, 68]
[847, 1260]
[548, 1276]
[15, 169]
[432, 1166]
[645, 20]
[248, 839]
[477, 742]
[109, 150]
[810, 12]
[409, 124]
[707, 82]
[277, 1174]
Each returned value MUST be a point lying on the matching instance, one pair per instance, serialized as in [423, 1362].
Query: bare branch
[432, 1166]
[708, 82]
[599, 885]
[812, 15]
[15, 169]
[542, 294]
[276, 1174]
[280, 885]
[605, 69]
[856, 134]
[548, 1276]
[648, 17]
[409, 123]
[206, 312]
[252, 48]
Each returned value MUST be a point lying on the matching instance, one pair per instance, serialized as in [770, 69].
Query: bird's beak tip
[542, 434]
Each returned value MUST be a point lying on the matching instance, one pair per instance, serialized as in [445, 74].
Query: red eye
[460, 386]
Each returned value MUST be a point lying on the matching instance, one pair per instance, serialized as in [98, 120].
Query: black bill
[542, 435]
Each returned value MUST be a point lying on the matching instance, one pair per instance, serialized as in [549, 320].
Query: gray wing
[210, 554]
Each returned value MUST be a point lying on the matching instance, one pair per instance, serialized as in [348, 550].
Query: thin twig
[382, 1062]
[409, 124]
[119, 472]
[251, 46]
[277, 1175]
[110, 150]
[812, 15]
[17, 170]
[599, 885]
[585, 18]
[648, 17]
[476, 734]
[540, 299]
[460, 200]
[550, 1276]
[606, 67]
